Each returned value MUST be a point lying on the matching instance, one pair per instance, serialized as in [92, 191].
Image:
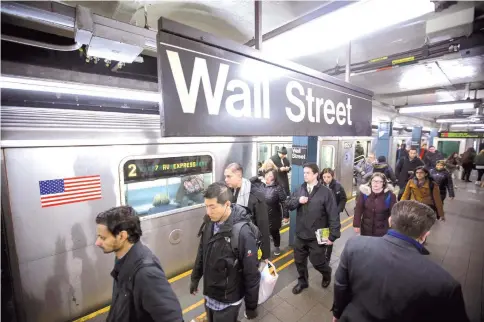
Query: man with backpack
[227, 258]
[141, 292]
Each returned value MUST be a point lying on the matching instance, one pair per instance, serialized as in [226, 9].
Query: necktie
[310, 189]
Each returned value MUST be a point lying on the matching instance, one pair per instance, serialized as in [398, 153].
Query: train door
[266, 150]
[338, 155]
[448, 147]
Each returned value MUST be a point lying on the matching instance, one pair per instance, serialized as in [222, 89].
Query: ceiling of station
[439, 80]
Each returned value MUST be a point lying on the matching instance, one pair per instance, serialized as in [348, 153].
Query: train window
[327, 156]
[165, 184]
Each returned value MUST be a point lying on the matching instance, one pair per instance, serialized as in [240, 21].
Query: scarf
[244, 193]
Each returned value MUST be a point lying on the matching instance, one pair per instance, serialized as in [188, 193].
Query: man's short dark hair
[121, 218]
[313, 166]
[412, 218]
[234, 167]
[413, 148]
[382, 159]
[220, 191]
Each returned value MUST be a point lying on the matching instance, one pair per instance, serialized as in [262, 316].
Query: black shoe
[298, 288]
[326, 281]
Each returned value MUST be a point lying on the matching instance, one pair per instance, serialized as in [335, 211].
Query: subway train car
[61, 167]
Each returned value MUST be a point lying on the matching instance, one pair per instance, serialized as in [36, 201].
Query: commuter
[141, 291]
[190, 191]
[443, 179]
[405, 169]
[247, 195]
[431, 157]
[383, 167]
[359, 150]
[389, 279]
[327, 178]
[260, 172]
[479, 161]
[468, 163]
[275, 198]
[230, 274]
[423, 151]
[452, 164]
[402, 152]
[284, 166]
[316, 209]
[422, 188]
[373, 207]
[364, 169]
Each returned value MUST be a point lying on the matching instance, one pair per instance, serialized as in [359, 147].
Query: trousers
[317, 256]
[229, 314]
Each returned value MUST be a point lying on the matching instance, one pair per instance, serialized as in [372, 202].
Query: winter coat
[364, 170]
[390, 279]
[260, 217]
[386, 170]
[141, 292]
[479, 161]
[339, 194]
[223, 279]
[405, 170]
[468, 158]
[452, 164]
[319, 212]
[430, 159]
[444, 179]
[424, 195]
[371, 215]
[275, 198]
[282, 177]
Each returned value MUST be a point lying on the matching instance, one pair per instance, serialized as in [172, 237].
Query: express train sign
[209, 91]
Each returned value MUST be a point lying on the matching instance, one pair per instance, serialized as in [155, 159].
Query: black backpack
[234, 241]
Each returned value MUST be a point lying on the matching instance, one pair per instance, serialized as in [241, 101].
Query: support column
[304, 149]
[258, 24]
[384, 140]
[433, 134]
[416, 138]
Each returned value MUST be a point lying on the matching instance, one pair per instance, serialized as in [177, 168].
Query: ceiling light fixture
[438, 107]
[467, 125]
[455, 120]
[344, 25]
[39, 85]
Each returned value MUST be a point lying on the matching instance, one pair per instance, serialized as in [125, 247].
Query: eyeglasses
[377, 181]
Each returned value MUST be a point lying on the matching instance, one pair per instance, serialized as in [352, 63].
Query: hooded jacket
[405, 169]
[443, 179]
[226, 278]
[384, 168]
[320, 211]
[275, 198]
[371, 215]
[425, 195]
[141, 292]
[430, 159]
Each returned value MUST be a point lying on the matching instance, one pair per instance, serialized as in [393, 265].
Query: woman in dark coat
[275, 197]
[328, 180]
[468, 163]
[373, 206]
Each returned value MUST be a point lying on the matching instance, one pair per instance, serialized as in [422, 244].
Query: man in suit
[389, 278]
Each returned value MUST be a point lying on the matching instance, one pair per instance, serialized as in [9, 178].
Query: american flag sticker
[59, 192]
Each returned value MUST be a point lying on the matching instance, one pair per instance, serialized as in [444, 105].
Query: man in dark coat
[393, 270]
[405, 169]
[141, 291]
[229, 277]
[248, 195]
[316, 209]
[431, 157]
[383, 167]
[283, 168]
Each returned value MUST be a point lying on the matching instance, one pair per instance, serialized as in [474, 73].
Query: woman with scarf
[422, 188]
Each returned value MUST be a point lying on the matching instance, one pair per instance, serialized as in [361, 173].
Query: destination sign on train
[462, 135]
[159, 168]
[208, 91]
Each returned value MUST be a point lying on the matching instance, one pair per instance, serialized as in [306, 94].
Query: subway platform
[457, 245]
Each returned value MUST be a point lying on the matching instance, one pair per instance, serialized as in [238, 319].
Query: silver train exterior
[58, 273]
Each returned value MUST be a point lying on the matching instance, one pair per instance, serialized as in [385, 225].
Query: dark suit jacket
[389, 279]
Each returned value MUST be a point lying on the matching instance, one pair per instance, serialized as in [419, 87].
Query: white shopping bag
[267, 282]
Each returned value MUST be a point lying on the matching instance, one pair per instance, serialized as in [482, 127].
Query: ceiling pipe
[40, 44]
[62, 21]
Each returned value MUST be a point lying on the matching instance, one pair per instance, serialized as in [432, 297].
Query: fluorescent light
[346, 24]
[445, 107]
[478, 130]
[456, 120]
[39, 85]
[467, 125]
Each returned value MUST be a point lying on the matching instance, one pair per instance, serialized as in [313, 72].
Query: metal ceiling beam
[321, 11]
[258, 24]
